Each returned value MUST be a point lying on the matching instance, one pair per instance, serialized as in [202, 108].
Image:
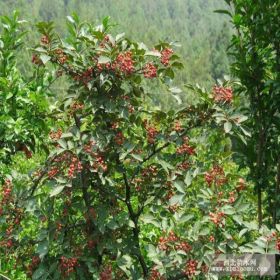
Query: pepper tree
[127, 192]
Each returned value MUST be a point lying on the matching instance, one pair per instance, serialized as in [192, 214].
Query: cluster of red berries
[85, 77]
[222, 94]
[33, 265]
[138, 183]
[99, 163]
[119, 138]
[106, 273]
[36, 60]
[75, 167]
[216, 175]
[45, 40]
[184, 246]
[217, 218]
[212, 239]
[150, 71]
[53, 172]
[56, 135]
[169, 194]
[183, 165]
[278, 244]
[152, 132]
[236, 275]
[241, 185]
[155, 275]
[124, 63]
[6, 192]
[59, 226]
[185, 148]
[105, 41]
[204, 268]
[231, 197]
[91, 244]
[178, 126]
[165, 56]
[191, 267]
[76, 106]
[88, 147]
[105, 66]
[166, 242]
[173, 208]
[170, 191]
[150, 171]
[12, 214]
[61, 56]
[67, 265]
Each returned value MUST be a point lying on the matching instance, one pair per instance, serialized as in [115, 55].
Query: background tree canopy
[203, 35]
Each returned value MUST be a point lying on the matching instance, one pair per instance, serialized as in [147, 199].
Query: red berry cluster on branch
[232, 197]
[67, 265]
[61, 56]
[217, 218]
[36, 60]
[191, 267]
[45, 40]
[106, 273]
[155, 275]
[183, 165]
[173, 241]
[124, 63]
[33, 265]
[75, 167]
[185, 148]
[178, 126]
[241, 185]
[119, 138]
[164, 242]
[165, 56]
[216, 175]
[76, 106]
[56, 135]
[152, 132]
[278, 244]
[150, 71]
[11, 213]
[222, 94]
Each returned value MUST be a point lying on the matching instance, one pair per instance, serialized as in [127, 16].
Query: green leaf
[57, 190]
[137, 157]
[104, 60]
[186, 218]
[225, 12]
[165, 165]
[188, 179]
[43, 248]
[176, 199]
[45, 58]
[39, 272]
[62, 143]
[175, 90]
[242, 232]
[119, 37]
[153, 53]
[180, 186]
[227, 127]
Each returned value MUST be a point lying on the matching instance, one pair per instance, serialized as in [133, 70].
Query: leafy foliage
[126, 191]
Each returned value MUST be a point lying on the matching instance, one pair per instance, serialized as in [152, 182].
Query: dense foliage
[99, 184]
[203, 36]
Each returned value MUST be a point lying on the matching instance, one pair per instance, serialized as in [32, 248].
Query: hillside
[202, 33]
